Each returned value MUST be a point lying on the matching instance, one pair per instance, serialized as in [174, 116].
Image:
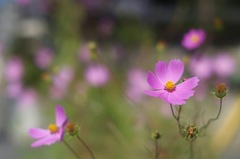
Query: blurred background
[92, 57]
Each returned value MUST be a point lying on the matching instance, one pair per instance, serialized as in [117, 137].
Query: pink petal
[61, 117]
[154, 82]
[161, 70]
[183, 94]
[188, 84]
[172, 99]
[159, 93]
[175, 70]
[51, 139]
[38, 133]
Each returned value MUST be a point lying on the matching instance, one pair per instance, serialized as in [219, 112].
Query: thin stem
[173, 112]
[86, 146]
[71, 149]
[156, 149]
[177, 118]
[191, 153]
[213, 119]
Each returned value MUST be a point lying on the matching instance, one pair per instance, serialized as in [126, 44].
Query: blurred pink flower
[136, 84]
[23, 2]
[97, 75]
[164, 83]
[43, 58]
[61, 82]
[54, 133]
[27, 97]
[105, 27]
[84, 53]
[202, 67]
[14, 89]
[193, 38]
[63, 77]
[56, 92]
[224, 65]
[14, 70]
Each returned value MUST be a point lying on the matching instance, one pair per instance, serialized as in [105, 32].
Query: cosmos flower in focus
[97, 75]
[193, 38]
[54, 133]
[164, 83]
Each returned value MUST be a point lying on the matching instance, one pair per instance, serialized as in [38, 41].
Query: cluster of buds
[191, 132]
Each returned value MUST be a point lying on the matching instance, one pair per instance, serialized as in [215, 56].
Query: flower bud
[92, 46]
[71, 129]
[191, 132]
[221, 90]
[156, 135]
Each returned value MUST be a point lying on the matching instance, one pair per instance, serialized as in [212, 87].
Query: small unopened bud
[71, 129]
[191, 132]
[156, 135]
[221, 90]
[92, 46]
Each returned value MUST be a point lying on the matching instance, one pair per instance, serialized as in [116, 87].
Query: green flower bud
[191, 132]
[156, 135]
[92, 46]
[221, 90]
[71, 129]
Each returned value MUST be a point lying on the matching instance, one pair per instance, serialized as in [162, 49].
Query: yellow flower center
[195, 38]
[53, 128]
[170, 86]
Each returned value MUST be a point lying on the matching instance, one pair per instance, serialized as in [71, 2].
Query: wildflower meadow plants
[167, 83]
[164, 86]
[56, 132]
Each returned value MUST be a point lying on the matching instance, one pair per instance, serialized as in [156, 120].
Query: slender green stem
[213, 119]
[191, 152]
[173, 112]
[177, 118]
[71, 149]
[156, 149]
[86, 146]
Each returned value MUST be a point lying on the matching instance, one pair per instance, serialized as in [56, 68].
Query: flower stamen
[195, 38]
[53, 128]
[170, 86]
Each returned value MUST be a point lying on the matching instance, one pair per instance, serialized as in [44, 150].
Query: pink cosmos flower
[136, 84]
[97, 75]
[43, 58]
[14, 69]
[202, 67]
[193, 38]
[54, 132]
[84, 53]
[224, 65]
[164, 83]
[63, 78]
[14, 89]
